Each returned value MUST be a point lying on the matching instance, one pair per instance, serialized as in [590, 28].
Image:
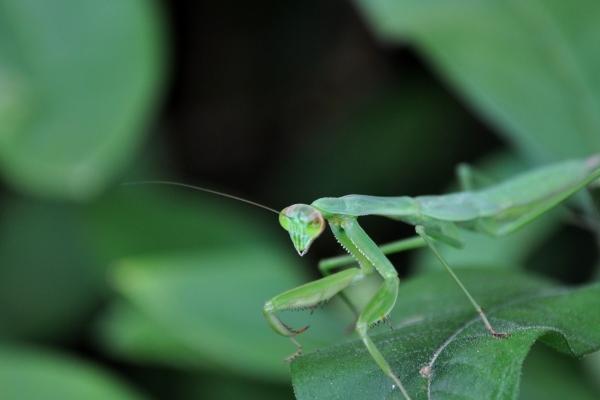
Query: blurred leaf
[49, 279]
[136, 220]
[436, 326]
[142, 340]
[529, 66]
[592, 363]
[211, 302]
[80, 77]
[552, 376]
[492, 252]
[28, 374]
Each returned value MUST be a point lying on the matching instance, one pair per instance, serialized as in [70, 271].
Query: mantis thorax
[304, 223]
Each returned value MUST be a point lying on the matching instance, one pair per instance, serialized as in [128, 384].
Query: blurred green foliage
[529, 67]
[78, 79]
[137, 292]
[36, 374]
[561, 381]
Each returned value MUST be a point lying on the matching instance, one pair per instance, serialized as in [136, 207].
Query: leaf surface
[440, 349]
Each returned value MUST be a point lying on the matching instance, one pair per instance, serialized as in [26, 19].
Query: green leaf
[209, 305]
[78, 79]
[530, 67]
[437, 333]
[29, 374]
[131, 334]
[137, 220]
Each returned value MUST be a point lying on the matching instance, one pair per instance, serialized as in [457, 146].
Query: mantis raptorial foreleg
[430, 242]
[307, 296]
[329, 264]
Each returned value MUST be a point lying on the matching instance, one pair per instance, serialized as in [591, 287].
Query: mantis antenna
[202, 189]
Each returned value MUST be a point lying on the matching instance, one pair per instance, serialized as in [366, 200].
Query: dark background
[256, 89]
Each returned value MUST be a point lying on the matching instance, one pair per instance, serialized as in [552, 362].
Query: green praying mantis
[495, 210]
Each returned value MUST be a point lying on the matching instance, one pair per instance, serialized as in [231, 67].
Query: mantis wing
[527, 196]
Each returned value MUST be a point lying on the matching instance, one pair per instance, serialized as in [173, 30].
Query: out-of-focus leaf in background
[35, 374]
[148, 219]
[129, 334]
[75, 95]
[436, 326]
[530, 67]
[592, 365]
[549, 375]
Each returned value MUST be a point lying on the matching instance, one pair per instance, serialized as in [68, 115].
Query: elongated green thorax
[304, 223]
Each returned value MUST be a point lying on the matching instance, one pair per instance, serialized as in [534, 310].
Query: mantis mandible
[495, 210]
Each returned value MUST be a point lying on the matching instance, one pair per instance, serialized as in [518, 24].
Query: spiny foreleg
[376, 311]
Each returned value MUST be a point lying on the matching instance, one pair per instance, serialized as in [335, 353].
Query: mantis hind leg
[307, 296]
[376, 311]
[421, 232]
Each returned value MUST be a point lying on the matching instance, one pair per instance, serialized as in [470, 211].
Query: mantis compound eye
[304, 223]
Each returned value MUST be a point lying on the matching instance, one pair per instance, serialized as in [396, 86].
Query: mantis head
[304, 224]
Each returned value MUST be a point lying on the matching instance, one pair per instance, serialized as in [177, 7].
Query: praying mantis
[494, 210]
